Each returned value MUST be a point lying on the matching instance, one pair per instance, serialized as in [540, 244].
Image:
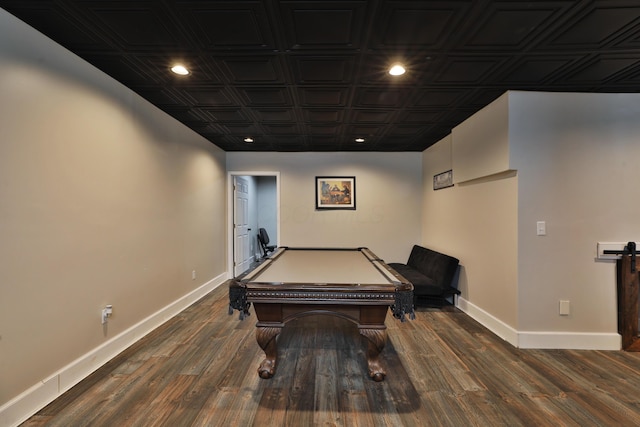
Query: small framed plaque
[443, 180]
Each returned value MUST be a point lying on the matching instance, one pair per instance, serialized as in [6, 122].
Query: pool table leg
[266, 337]
[376, 338]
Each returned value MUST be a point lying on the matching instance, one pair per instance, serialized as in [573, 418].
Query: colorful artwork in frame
[336, 192]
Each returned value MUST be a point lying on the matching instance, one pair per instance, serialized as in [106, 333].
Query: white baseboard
[18, 409]
[492, 323]
[571, 340]
[541, 339]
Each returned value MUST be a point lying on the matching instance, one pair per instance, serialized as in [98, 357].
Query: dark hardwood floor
[443, 369]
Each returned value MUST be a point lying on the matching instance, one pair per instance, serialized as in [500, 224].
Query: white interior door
[241, 230]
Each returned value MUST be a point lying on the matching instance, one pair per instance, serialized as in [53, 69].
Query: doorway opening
[253, 202]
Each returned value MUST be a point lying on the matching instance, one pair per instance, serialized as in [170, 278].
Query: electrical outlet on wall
[564, 308]
[107, 311]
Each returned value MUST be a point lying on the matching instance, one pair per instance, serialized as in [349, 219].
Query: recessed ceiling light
[397, 70]
[248, 139]
[180, 69]
[359, 139]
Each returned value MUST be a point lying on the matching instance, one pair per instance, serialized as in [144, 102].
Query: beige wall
[477, 223]
[577, 159]
[572, 163]
[480, 144]
[388, 199]
[104, 200]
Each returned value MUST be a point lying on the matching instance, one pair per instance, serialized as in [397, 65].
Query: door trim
[229, 229]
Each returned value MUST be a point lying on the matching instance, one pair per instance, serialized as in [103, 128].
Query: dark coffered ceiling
[312, 75]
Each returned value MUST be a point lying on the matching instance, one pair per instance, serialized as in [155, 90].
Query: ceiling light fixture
[397, 70]
[180, 69]
[360, 140]
[248, 139]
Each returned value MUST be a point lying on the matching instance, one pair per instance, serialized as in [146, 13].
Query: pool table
[352, 283]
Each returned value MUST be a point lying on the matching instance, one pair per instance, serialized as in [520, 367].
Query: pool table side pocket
[238, 299]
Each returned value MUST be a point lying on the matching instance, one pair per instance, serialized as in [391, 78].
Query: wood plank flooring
[443, 369]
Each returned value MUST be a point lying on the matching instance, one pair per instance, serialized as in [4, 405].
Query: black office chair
[263, 238]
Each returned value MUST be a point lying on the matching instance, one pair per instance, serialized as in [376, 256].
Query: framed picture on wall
[335, 192]
[443, 180]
